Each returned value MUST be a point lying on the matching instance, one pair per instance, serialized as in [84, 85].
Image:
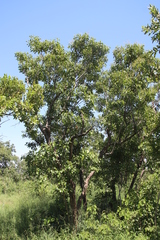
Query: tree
[154, 28]
[152, 143]
[6, 154]
[127, 91]
[58, 111]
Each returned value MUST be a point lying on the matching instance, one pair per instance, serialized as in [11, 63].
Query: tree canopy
[153, 28]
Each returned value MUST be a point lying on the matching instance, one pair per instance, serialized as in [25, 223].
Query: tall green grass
[23, 212]
[29, 210]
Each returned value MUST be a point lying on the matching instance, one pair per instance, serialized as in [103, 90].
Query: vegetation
[92, 171]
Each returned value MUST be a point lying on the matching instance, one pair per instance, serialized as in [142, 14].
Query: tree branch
[136, 173]
[4, 122]
[46, 132]
[82, 134]
[128, 138]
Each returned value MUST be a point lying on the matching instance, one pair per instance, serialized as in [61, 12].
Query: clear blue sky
[115, 23]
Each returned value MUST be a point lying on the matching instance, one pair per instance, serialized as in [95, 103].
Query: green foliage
[68, 132]
[27, 216]
[128, 90]
[84, 121]
[12, 169]
[108, 227]
[11, 92]
[154, 28]
[7, 156]
[58, 110]
[62, 83]
[24, 214]
[142, 207]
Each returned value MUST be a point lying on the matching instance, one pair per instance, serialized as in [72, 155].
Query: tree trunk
[76, 206]
[114, 199]
[84, 193]
[73, 204]
[46, 132]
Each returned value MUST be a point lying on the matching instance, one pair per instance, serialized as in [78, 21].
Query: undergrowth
[32, 211]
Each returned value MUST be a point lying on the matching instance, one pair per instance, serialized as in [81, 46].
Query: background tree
[152, 142]
[7, 154]
[129, 88]
[153, 28]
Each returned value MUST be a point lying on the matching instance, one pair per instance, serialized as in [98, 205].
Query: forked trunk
[76, 206]
[83, 196]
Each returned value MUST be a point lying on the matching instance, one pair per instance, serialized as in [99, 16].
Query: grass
[29, 211]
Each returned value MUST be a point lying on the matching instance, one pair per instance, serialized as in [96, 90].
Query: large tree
[58, 111]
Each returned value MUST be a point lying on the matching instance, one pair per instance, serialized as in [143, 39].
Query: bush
[141, 208]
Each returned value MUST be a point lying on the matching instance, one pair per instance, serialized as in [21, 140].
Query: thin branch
[136, 172]
[82, 134]
[76, 84]
[80, 77]
[8, 114]
[4, 122]
[128, 138]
